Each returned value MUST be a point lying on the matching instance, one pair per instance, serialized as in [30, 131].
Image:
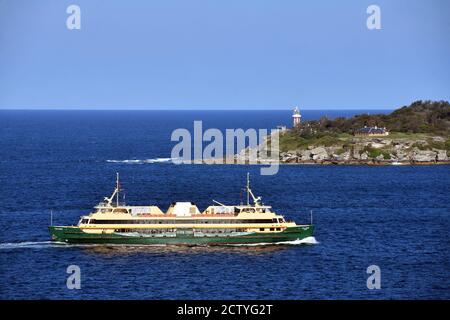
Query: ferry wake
[113, 222]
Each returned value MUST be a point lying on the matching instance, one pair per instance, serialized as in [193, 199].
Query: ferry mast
[116, 192]
[256, 200]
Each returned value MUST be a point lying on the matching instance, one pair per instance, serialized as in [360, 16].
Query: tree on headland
[419, 117]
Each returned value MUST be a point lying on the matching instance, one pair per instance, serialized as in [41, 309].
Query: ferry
[113, 222]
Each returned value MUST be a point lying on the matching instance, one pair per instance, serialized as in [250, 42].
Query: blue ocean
[65, 162]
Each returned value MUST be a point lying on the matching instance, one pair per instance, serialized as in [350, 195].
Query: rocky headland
[418, 134]
[371, 151]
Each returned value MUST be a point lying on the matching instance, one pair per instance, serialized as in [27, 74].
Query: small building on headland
[371, 132]
[296, 118]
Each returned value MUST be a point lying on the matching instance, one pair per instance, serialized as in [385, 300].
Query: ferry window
[262, 229]
[272, 229]
[278, 229]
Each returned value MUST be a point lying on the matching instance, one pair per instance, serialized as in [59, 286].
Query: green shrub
[442, 145]
[374, 152]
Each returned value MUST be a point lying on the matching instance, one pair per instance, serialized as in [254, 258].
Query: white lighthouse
[296, 118]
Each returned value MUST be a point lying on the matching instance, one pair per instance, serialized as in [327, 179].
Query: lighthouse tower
[296, 118]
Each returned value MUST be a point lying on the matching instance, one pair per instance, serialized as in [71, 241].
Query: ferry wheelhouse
[113, 222]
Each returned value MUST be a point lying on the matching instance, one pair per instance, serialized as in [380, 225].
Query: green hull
[76, 235]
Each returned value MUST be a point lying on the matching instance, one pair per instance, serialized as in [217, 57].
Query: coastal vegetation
[431, 117]
[420, 121]
[418, 133]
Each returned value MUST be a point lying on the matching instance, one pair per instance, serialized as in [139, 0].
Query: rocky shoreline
[359, 151]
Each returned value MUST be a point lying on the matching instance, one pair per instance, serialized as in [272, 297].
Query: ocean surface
[397, 218]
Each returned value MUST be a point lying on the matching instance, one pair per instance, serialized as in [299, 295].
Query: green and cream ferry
[113, 222]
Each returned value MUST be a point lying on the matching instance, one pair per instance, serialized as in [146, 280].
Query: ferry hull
[77, 236]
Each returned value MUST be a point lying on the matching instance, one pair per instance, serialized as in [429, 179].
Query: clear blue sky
[249, 54]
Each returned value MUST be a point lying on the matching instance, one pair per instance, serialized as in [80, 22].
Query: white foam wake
[143, 161]
[308, 240]
[30, 244]
[56, 244]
